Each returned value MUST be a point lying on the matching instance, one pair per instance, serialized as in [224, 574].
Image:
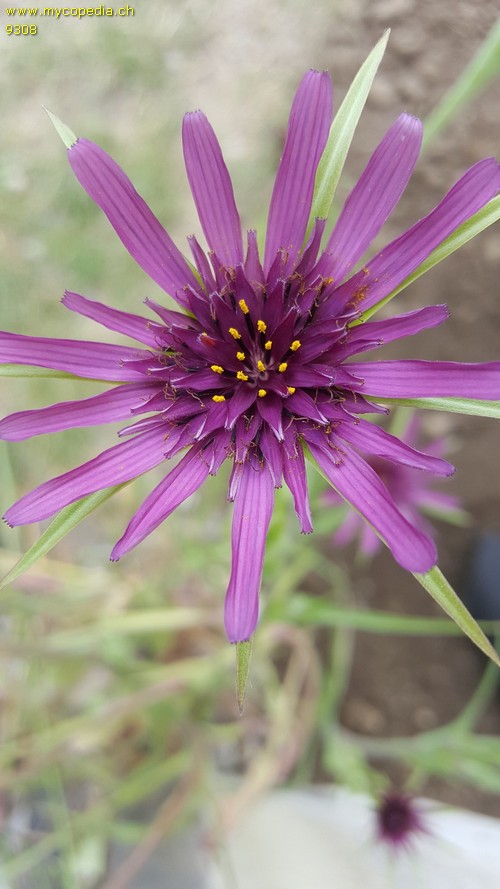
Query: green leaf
[243, 658]
[443, 593]
[474, 406]
[341, 133]
[23, 370]
[64, 522]
[484, 66]
[465, 232]
[307, 611]
[67, 136]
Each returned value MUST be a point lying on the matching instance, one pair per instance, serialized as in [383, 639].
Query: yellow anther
[295, 345]
[268, 345]
[283, 366]
[217, 369]
[261, 326]
[261, 393]
[218, 398]
[243, 306]
[261, 366]
[291, 389]
[241, 376]
[240, 356]
[235, 333]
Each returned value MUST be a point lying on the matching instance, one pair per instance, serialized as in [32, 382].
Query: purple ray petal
[89, 360]
[308, 129]
[357, 483]
[253, 268]
[372, 439]
[271, 451]
[310, 254]
[118, 464]
[107, 407]
[252, 513]
[294, 471]
[375, 333]
[202, 264]
[176, 487]
[211, 188]
[137, 227]
[399, 259]
[271, 410]
[427, 379]
[141, 329]
[171, 317]
[303, 405]
[238, 404]
[373, 198]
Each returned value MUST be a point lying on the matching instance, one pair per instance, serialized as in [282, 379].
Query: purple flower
[399, 821]
[411, 490]
[257, 360]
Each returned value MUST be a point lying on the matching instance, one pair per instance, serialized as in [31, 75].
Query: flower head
[257, 359]
[399, 821]
[411, 490]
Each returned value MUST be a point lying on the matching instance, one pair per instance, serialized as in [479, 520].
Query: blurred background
[117, 680]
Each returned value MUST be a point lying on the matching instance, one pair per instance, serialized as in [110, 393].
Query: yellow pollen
[261, 393]
[243, 306]
[283, 366]
[295, 345]
[291, 389]
[268, 345]
[261, 326]
[240, 356]
[235, 333]
[241, 376]
[217, 369]
[218, 398]
[261, 366]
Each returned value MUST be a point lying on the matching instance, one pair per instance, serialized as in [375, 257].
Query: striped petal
[373, 334]
[141, 329]
[176, 487]
[118, 464]
[212, 188]
[107, 407]
[252, 513]
[137, 227]
[372, 439]
[89, 360]
[399, 259]
[294, 472]
[360, 485]
[374, 197]
[425, 379]
[308, 129]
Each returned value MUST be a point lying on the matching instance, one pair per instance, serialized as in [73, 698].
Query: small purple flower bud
[399, 821]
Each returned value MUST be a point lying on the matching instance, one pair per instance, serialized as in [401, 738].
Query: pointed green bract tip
[67, 136]
[243, 658]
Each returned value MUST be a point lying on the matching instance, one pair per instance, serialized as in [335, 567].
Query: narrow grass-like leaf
[465, 232]
[63, 131]
[483, 67]
[318, 612]
[41, 373]
[62, 524]
[474, 406]
[341, 133]
[243, 658]
[443, 593]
